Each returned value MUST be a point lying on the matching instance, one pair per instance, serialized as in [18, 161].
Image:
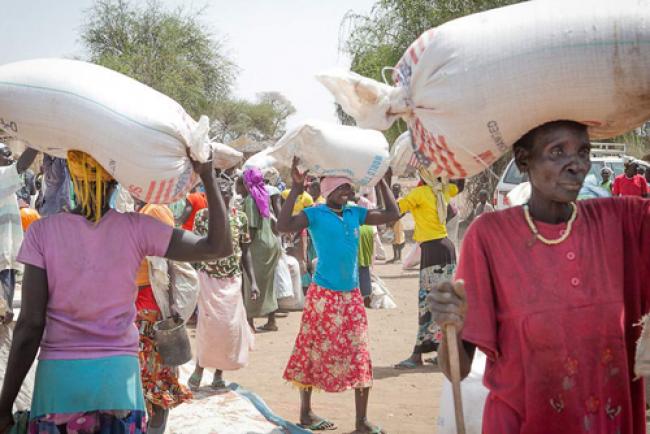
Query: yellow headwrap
[438, 188]
[91, 183]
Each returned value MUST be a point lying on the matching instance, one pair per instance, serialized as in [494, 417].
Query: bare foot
[367, 427]
[313, 422]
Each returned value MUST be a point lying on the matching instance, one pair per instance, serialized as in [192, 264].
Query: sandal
[194, 383]
[218, 384]
[407, 364]
[321, 425]
[268, 328]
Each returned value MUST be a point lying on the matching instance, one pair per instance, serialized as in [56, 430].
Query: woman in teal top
[331, 351]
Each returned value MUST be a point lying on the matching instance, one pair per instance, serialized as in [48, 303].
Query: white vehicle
[602, 155]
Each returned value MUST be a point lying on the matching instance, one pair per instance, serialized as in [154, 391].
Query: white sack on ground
[474, 394]
[282, 281]
[139, 135]
[297, 301]
[471, 87]
[381, 297]
[334, 150]
[412, 257]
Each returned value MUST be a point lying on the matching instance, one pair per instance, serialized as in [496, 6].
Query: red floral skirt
[331, 351]
[159, 382]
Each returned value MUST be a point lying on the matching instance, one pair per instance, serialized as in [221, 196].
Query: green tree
[171, 51]
[261, 120]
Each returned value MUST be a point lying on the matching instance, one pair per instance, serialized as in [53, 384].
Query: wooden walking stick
[454, 364]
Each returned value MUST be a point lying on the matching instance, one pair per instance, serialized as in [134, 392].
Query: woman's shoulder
[614, 207]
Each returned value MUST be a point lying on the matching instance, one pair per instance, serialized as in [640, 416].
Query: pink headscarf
[254, 181]
[331, 183]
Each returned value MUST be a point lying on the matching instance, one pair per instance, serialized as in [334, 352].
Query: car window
[514, 176]
[596, 168]
[618, 168]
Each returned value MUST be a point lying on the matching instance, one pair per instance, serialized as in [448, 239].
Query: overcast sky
[278, 44]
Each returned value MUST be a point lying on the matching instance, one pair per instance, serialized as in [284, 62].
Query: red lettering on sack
[135, 190]
[169, 189]
[413, 54]
[152, 187]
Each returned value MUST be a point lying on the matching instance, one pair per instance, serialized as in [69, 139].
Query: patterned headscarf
[254, 181]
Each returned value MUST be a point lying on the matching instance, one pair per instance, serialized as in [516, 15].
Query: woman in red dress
[553, 313]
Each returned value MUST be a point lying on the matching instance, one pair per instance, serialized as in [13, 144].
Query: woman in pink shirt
[78, 305]
[554, 316]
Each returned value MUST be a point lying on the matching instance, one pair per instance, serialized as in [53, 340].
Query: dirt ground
[400, 401]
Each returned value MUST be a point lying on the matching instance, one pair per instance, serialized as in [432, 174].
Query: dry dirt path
[400, 401]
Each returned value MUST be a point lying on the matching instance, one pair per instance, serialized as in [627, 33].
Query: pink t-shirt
[91, 273]
[557, 322]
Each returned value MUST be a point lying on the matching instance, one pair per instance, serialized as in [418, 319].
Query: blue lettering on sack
[375, 165]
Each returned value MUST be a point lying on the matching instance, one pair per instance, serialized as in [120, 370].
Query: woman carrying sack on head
[429, 204]
[332, 349]
[555, 318]
[78, 305]
[223, 335]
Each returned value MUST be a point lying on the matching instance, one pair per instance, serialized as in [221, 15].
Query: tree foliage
[171, 51]
[176, 54]
[261, 120]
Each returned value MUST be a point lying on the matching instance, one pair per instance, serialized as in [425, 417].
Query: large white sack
[473, 86]
[334, 150]
[262, 160]
[402, 156]
[136, 133]
[224, 156]
[474, 394]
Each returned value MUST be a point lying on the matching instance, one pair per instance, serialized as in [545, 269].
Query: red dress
[557, 322]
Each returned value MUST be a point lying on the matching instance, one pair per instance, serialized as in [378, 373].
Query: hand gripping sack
[471, 87]
[334, 150]
[136, 133]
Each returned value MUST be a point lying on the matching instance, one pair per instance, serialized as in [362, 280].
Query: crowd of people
[74, 234]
